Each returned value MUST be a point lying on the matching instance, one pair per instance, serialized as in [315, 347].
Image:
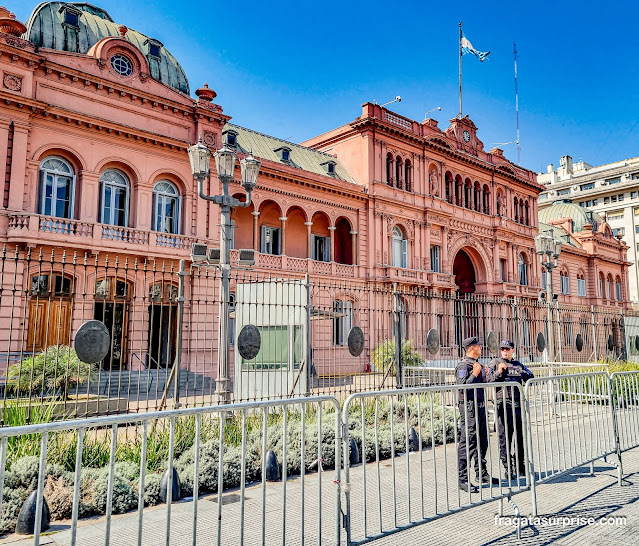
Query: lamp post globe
[200, 158]
[249, 167]
[224, 163]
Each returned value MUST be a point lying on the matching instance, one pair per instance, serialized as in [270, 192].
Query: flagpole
[460, 70]
[517, 105]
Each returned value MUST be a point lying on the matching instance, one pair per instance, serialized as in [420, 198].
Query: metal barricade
[422, 432]
[624, 391]
[571, 424]
[230, 447]
[426, 376]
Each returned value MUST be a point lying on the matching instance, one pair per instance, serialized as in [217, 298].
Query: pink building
[99, 206]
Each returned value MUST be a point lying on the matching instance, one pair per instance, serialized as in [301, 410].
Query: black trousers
[511, 436]
[475, 441]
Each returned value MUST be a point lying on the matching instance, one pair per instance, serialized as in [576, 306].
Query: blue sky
[297, 69]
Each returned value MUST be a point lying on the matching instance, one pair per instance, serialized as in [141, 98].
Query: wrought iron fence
[163, 318]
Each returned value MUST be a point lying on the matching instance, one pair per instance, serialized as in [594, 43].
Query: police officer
[506, 370]
[473, 439]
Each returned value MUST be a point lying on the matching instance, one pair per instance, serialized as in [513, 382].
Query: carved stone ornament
[209, 139]
[11, 82]
[434, 183]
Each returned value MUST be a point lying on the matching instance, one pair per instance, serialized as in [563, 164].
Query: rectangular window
[614, 180]
[583, 204]
[633, 195]
[606, 200]
[636, 229]
[620, 196]
[434, 259]
[615, 215]
[594, 202]
[581, 287]
[342, 321]
[563, 192]
[320, 248]
[503, 275]
[635, 176]
[280, 347]
[618, 290]
[613, 198]
[589, 186]
[270, 240]
[618, 231]
[565, 284]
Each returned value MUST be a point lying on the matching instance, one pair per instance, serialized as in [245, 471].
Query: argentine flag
[467, 47]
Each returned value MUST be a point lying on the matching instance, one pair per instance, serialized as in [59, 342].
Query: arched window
[523, 270]
[526, 212]
[486, 200]
[521, 211]
[618, 288]
[166, 207]
[581, 285]
[449, 188]
[398, 172]
[114, 197]
[516, 209]
[408, 179]
[57, 188]
[400, 248]
[602, 286]
[389, 169]
[611, 288]
[564, 281]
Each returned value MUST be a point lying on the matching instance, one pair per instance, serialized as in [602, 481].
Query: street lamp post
[200, 156]
[549, 249]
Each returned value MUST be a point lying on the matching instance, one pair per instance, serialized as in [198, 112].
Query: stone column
[18, 167]
[509, 262]
[308, 238]
[354, 247]
[283, 241]
[444, 250]
[256, 233]
[88, 198]
[496, 263]
[332, 230]
[427, 264]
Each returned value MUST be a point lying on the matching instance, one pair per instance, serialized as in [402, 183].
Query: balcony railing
[127, 235]
[66, 226]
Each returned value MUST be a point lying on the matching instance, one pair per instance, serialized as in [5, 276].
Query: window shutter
[263, 239]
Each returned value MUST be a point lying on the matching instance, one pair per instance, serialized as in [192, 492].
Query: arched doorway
[464, 272]
[468, 311]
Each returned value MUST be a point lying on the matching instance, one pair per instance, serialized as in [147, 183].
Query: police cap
[506, 344]
[469, 341]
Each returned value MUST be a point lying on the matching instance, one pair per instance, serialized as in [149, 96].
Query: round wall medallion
[356, 341]
[579, 342]
[492, 343]
[432, 341]
[249, 342]
[541, 342]
[92, 341]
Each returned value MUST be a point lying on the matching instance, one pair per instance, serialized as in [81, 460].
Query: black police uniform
[509, 425]
[468, 420]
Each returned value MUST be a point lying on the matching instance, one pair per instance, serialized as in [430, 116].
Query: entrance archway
[469, 313]
[464, 272]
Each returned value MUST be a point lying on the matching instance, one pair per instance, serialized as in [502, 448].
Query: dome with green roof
[76, 27]
[567, 209]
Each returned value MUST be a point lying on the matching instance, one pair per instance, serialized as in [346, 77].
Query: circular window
[122, 65]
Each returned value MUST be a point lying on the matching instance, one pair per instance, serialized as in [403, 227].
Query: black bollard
[413, 440]
[176, 493]
[354, 457]
[272, 467]
[27, 515]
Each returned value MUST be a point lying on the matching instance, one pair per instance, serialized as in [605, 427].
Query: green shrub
[124, 497]
[151, 489]
[383, 357]
[56, 368]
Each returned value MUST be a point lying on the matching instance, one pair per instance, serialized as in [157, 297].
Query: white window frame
[115, 185]
[581, 288]
[159, 224]
[435, 265]
[564, 283]
[523, 271]
[267, 247]
[56, 177]
[326, 257]
[399, 249]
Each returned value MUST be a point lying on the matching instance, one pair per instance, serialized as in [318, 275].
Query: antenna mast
[517, 105]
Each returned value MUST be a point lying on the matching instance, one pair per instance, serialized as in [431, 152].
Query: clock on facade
[466, 136]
